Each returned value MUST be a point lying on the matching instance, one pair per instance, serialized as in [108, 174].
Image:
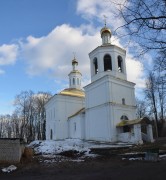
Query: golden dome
[74, 61]
[73, 92]
[75, 71]
[105, 30]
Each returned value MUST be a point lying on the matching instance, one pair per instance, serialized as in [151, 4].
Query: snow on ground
[51, 151]
[56, 147]
[143, 156]
[9, 169]
[133, 159]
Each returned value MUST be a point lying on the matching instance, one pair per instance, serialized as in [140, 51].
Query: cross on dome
[74, 62]
[105, 33]
[105, 20]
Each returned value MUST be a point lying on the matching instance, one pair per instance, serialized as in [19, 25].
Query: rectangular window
[123, 101]
[77, 81]
[75, 127]
[73, 81]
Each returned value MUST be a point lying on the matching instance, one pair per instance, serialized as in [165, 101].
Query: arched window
[51, 134]
[95, 65]
[74, 81]
[120, 64]
[107, 62]
[126, 128]
[123, 101]
[70, 82]
[75, 126]
[77, 81]
[124, 117]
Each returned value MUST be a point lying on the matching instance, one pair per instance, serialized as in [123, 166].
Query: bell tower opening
[95, 65]
[107, 62]
[120, 64]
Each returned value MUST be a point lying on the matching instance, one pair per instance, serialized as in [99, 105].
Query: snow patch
[9, 169]
[56, 147]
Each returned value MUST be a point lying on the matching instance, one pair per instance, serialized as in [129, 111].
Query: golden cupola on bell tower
[107, 59]
[105, 34]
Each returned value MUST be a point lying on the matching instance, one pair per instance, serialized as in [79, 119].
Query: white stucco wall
[98, 124]
[58, 109]
[77, 126]
[104, 107]
[109, 89]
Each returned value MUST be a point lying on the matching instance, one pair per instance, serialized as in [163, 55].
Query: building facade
[63, 105]
[106, 110]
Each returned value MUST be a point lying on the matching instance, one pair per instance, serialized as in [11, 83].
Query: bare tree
[31, 112]
[29, 118]
[40, 99]
[6, 126]
[24, 105]
[151, 93]
[141, 108]
[16, 125]
[160, 63]
[161, 89]
[145, 23]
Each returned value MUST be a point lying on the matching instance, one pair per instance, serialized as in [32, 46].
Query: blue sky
[38, 38]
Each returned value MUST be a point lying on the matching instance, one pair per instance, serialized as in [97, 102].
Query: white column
[150, 133]
[137, 133]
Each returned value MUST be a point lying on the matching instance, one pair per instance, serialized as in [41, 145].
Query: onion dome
[105, 35]
[105, 30]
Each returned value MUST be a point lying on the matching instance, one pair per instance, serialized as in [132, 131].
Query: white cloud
[8, 54]
[96, 9]
[135, 71]
[54, 52]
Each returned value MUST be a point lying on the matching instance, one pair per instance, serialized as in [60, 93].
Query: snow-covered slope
[57, 147]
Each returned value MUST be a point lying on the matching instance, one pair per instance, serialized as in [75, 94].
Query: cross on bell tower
[105, 20]
[105, 33]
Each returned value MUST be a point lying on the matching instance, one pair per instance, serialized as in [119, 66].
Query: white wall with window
[76, 126]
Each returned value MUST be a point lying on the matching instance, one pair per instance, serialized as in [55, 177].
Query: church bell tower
[107, 58]
[75, 76]
[109, 96]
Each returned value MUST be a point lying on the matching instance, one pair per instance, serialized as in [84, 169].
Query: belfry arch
[95, 63]
[107, 62]
[120, 64]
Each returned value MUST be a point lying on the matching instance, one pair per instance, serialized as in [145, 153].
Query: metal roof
[143, 121]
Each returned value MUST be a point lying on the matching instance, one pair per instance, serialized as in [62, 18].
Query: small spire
[74, 54]
[105, 20]
[74, 62]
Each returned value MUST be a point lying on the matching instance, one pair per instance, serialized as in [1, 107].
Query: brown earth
[100, 168]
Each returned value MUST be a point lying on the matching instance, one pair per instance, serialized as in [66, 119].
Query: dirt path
[98, 169]
[101, 168]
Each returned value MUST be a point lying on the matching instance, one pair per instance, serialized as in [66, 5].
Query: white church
[106, 109]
